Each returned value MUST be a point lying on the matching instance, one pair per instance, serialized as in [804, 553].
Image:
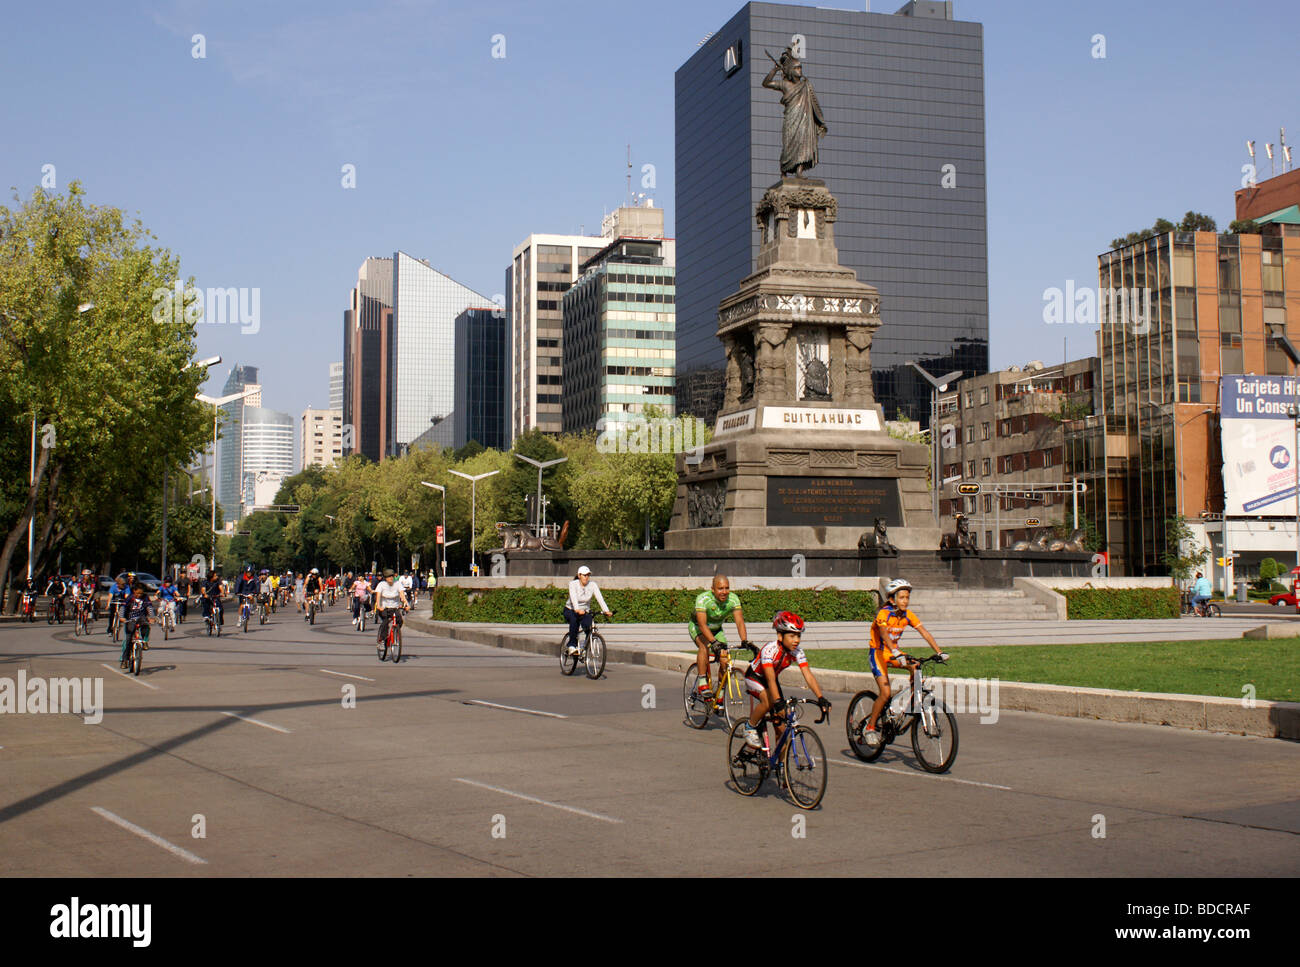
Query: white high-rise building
[322, 437]
[421, 385]
[540, 272]
[267, 439]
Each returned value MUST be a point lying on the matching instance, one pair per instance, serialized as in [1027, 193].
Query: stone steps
[956, 604]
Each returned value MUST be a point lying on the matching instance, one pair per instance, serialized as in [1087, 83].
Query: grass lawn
[1182, 667]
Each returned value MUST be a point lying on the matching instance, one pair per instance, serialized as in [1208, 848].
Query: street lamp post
[540, 465]
[218, 401]
[443, 490]
[473, 508]
[937, 386]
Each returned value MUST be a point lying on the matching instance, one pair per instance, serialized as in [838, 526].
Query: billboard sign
[1258, 441]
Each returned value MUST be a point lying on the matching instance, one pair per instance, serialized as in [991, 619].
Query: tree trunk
[16, 533]
[41, 546]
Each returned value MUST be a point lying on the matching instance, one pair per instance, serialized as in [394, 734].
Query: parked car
[151, 583]
[1285, 600]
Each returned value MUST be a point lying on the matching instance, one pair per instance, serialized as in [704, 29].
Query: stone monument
[800, 458]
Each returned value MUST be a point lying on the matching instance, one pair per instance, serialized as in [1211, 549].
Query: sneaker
[571, 650]
[871, 737]
[146, 646]
[752, 738]
[703, 690]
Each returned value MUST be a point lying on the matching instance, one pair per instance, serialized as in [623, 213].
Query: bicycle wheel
[167, 628]
[568, 663]
[395, 653]
[595, 655]
[747, 765]
[698, 708]
[137, 656]
[76, 627]
[805, 768]
[734, 706]
[381, 648]
[311, 613]
[935, 742]
[49, 615]
[859, 712]
[117, 630]
[1213, 611]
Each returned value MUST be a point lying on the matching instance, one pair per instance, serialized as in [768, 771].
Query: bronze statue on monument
[803, 125]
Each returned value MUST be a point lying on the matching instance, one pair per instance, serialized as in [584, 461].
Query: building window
[986, 466]
[984, 396]
[970, 468]
[970, 398]
[970, 434]
[984, 431]
[1047, 458]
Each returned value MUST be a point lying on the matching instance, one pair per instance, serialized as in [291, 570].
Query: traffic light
[968, 489]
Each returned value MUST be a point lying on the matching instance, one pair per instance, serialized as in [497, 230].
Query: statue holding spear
[804, 124]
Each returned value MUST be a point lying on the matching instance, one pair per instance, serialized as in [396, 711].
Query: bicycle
[55, 610]
[167, 619]
[733, 708]
[311, 609]
[591, 653]
[392, 642]
[360, 619]
[85, 617]
[213, 619]
[245, 612]
[116, 615]
[29, 607]
[798, 760]
[264, 610]
[1207, 610]
[135, 660]
[931, 723]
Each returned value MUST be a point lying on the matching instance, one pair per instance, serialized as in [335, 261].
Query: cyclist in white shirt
[390, 602]
[577, 609]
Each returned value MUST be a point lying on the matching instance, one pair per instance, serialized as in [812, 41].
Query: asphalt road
[250, 739]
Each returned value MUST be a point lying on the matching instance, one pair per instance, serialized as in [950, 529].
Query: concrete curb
[1205, 713]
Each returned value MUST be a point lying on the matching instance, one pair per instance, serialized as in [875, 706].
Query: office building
[336, 386]
[619, 328]
[267, 439]
[367, 329]
[1008, 436]
[541, 270]
[1179, 312]
[321, 437]
[903, 98]
[482, 404]
[230, 452]
[421, 383]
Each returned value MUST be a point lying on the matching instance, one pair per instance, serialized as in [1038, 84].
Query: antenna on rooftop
[629, 176]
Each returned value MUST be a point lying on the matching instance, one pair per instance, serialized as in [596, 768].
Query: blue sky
[234, 160]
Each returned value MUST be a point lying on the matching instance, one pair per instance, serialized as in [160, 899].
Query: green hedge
[1090, 604]
[546, 605]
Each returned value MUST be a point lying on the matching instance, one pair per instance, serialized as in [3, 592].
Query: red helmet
[787, 621]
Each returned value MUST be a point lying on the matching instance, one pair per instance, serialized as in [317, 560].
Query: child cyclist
[763, 672]
[884, 652]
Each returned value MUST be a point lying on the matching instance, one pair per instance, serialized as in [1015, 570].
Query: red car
[1285, 600]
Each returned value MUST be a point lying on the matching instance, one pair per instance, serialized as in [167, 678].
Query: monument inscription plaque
[832, 501]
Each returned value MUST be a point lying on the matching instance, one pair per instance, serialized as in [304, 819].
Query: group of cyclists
[762, 678]
[382, 598]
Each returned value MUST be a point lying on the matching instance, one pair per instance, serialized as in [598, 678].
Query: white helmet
[896, 585]
[315, 571]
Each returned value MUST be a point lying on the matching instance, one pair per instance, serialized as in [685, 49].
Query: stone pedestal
[800, 457]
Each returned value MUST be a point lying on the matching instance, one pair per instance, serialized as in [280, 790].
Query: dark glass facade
[903, 97]
[482, 385]
[366, 331]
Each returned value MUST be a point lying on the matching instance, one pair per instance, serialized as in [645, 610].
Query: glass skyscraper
[366, 331]
[230, 454]
[268, 448]
[421, 386]
[903, 98]
[482, 380]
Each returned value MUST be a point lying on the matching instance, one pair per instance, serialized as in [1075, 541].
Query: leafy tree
[1184, 555]
[108, 388]
[1244, 226]
[1192, 222]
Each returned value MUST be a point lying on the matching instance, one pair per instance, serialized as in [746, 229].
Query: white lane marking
[515, 708]
[923, 775]
[346, 675]
[265, 725]
[151, 837]
[129, 678]
[541, 802]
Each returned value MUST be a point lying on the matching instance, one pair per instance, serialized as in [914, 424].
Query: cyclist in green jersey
[711, 609]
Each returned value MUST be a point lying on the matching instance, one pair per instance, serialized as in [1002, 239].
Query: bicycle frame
[786, 722]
